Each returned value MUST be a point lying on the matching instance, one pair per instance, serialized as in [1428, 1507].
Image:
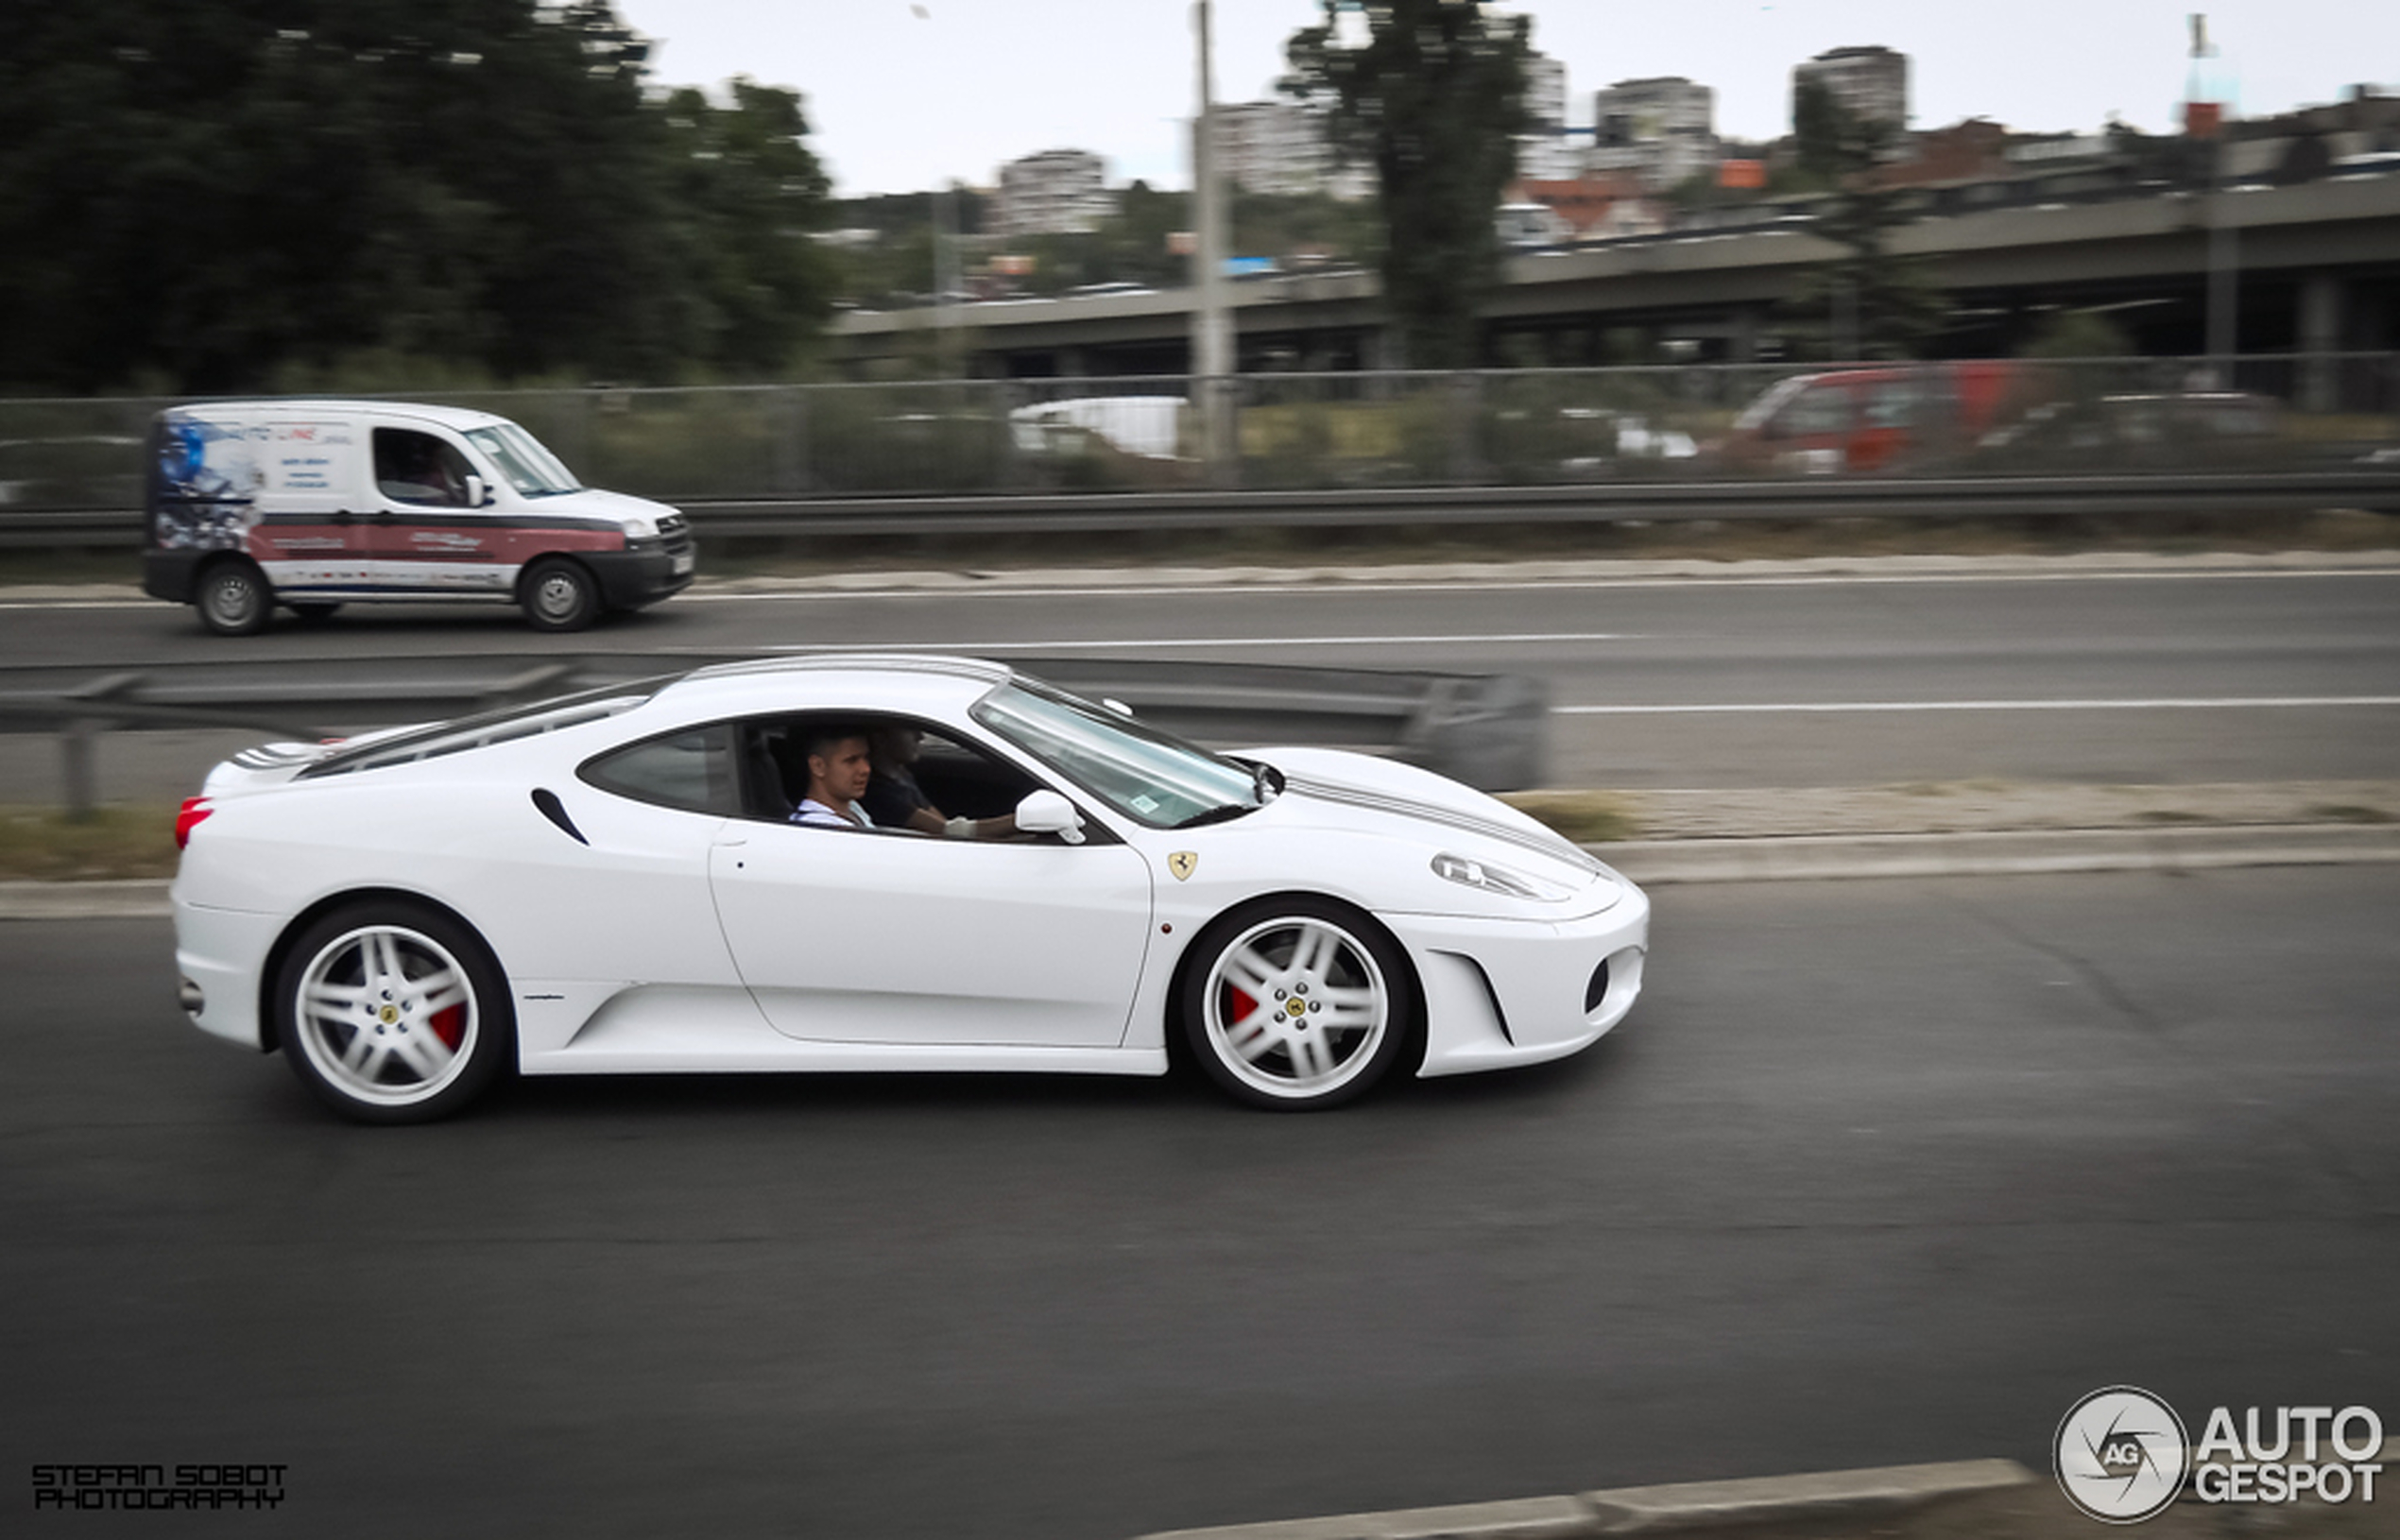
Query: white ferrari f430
[616, 883]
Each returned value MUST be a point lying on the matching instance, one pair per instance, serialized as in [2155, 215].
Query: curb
[117, 898]
[1769, 859]
[1651, 1510]
[1815, 857]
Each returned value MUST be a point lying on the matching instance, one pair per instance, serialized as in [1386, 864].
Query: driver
[838, 769]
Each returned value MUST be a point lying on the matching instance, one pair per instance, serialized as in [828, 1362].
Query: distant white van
[312, 505]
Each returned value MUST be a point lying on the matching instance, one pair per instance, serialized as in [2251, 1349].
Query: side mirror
[478, 495]
[1117, 705]
[1047, 812]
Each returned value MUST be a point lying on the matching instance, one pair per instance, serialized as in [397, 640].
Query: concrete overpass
[2320, 264]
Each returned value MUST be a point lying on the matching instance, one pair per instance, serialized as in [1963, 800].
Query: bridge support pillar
[2320, 336]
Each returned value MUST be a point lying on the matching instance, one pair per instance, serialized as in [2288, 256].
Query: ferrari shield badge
[1182, 863]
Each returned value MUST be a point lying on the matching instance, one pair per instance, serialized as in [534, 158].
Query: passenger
[838, 768]
[898, 802]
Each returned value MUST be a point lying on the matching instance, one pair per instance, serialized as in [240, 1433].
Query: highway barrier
[1487, 730]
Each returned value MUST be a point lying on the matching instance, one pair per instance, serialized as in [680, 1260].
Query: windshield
[532, 469]
[1138, 770]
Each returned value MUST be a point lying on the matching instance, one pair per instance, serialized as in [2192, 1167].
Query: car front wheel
[560, 595]
[1296, 1003]
[393, 1012]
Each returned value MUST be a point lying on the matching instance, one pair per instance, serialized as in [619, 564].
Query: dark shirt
[891, 796]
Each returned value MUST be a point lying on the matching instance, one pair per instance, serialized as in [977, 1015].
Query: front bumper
[1510, 992]
[643, 573]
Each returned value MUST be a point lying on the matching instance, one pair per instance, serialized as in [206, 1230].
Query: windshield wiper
[1218, 814]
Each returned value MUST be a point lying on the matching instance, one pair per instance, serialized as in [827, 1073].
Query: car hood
[618, 508]
[1401, 799]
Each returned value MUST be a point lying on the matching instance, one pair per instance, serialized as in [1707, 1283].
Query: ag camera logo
[2122, 1454]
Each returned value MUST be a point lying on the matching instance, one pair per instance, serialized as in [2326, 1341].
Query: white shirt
[812, 811]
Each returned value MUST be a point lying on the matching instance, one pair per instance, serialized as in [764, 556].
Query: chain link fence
[1369, 430]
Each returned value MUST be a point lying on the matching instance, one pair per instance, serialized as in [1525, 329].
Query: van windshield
[532, 469]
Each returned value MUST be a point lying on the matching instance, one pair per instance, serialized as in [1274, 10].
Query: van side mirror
[479, 495]
[1047, 812]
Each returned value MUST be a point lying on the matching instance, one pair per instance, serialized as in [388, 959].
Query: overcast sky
[898, 103]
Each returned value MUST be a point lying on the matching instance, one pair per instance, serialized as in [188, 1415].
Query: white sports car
[616, 881]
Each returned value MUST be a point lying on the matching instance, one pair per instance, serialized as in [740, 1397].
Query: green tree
[217, 196]
[1431, 101]
[747, 194]
[1873, 302]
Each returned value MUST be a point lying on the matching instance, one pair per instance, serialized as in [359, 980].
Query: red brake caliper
[1243, 1004]
[451, 1026]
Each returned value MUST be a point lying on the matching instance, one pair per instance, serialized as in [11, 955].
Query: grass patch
[1586, 817]
[2350, 812]
[45, 844]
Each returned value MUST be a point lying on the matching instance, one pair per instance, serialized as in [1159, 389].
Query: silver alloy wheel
[386, 1016]
[233, 600]
[1296, 1007]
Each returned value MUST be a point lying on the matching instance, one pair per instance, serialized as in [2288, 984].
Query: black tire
[313, 610]
[393, 1012]
[1296, 1003]
[233, 598]
[559, 595]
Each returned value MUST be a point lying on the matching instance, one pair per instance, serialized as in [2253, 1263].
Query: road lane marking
[1144, 643]
[2214, 703]
[1001, 589]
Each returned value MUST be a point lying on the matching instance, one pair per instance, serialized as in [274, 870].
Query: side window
[693, 770]
[1890, 405]
[921, 776]
[419, 469]
[1820, 409]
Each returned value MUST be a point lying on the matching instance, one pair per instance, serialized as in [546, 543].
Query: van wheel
[234, 599]
[559, 595]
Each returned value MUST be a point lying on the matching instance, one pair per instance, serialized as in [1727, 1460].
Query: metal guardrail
[1930, 499]
[1487, 730]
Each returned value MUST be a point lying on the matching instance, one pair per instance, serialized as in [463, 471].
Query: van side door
[427, 536]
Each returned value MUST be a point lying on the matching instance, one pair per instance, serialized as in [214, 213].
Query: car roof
[846, 681]
[306, 408]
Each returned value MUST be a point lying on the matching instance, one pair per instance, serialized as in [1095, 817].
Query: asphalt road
[1876, 1173]
[1657, 683]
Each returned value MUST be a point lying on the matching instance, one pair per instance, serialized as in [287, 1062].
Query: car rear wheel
[393, 1012]
[234, 599]
[1296, 1003]
[560, 595]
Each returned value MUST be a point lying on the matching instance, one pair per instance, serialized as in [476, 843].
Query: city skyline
[900, 101]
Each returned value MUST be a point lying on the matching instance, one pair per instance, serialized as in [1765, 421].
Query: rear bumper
[168, 574]
[221, 951]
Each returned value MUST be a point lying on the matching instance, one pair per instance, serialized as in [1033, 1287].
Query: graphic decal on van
[207, 481]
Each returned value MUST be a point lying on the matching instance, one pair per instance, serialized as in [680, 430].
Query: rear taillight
[188, 817]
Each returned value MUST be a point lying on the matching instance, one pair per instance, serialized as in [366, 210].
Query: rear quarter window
[693, 770]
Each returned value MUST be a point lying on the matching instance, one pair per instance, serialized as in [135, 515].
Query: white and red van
[312, 505]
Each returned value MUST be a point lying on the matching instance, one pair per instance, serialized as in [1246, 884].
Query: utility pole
[1212, 362]
[945, 260]
[2204, 119]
